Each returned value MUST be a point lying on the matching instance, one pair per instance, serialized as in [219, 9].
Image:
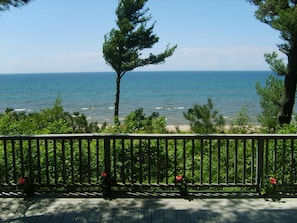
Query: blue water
[169, 93]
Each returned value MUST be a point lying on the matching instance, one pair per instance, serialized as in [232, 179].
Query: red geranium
[22, 181]
[104, 175]
[179, 178]
[272, 180]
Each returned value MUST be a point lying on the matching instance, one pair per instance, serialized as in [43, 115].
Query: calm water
[169, 93]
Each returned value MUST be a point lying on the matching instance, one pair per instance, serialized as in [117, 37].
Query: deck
[155, 209]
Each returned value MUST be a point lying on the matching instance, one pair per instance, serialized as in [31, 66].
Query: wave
[88, 108]
[19, 109]
[179, 108]
[169, 108]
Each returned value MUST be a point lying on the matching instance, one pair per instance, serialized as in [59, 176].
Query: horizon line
[133, 71]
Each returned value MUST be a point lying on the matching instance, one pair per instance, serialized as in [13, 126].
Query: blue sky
[67, 36]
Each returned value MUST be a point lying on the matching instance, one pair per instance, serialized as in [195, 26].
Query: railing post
[107, 162]
[260, 163]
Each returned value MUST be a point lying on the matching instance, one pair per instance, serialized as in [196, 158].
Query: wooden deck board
[195, 216]
[95, 215]
[158, 216]
[132, 216]
[170, 216]
[152, 210]
[144, 215]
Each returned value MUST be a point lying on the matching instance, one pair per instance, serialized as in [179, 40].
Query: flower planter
[106, 190]
[268, 189]
[183, 186]
[106, 185]
[183, 191]
[29, 192]
[28, 187]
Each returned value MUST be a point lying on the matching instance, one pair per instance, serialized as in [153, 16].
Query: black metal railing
[147, 160]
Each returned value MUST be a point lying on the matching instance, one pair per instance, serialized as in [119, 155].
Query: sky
[67, 36]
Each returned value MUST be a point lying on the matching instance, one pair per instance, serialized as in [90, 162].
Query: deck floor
[147, 209]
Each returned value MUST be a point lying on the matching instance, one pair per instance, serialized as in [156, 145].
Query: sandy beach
[182, 128]
[187, 128]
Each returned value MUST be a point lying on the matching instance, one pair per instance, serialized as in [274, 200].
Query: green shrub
[240, 125]
[204, 119]
[47, 121]
[137, 122]
[270, 96]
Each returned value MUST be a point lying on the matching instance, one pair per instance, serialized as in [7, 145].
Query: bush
[137, 122]
[47, 121]
[270, 96]
[241, 125]
[204, 119]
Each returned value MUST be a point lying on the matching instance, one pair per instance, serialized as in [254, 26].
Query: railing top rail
[150, 136]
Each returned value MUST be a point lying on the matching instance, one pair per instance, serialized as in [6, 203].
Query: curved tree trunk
[288, 99]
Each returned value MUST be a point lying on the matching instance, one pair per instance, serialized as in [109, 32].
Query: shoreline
[182, 128]
[187, 128]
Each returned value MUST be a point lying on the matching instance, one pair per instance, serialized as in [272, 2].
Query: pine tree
[123, 47]
[281, 15]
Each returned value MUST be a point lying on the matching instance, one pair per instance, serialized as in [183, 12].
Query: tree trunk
[117, 99]
[288, 99]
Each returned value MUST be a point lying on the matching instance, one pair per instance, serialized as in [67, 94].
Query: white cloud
[234, 58]
[77, 62]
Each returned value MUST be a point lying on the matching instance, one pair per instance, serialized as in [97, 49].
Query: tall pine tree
[123, 46]
[281, 15]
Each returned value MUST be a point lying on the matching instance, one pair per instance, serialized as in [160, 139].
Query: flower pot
[106, 190]
[28, 187]
[183, 191]
[274, 196]
[29, 192]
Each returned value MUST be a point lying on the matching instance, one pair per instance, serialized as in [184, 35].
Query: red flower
[22, 181]
[104, 175]
[179, 178]
[272, 180]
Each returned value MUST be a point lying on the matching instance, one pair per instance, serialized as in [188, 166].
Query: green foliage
[241, 123]
[5, 4]
[280, 159]
[146, 160]
[123, 47]
[276, 65]
[137, 122]
[54, 121]
[270, 96]
[204, 119]
[281, 15]
[47, 121]
[288, 128]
